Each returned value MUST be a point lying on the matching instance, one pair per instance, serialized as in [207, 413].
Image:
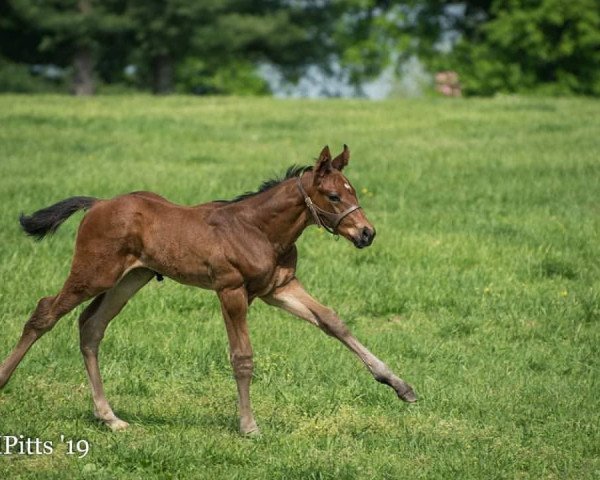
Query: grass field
[482, 290]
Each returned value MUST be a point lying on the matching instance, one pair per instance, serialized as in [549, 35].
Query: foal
[242, 249]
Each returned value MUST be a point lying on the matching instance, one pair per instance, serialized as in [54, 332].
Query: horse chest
[255, 269]
[273, 271]
[257, 272]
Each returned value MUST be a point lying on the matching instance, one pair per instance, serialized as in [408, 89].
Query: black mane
[291, 172]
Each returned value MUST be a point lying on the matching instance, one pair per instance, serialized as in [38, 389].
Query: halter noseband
[332, 219]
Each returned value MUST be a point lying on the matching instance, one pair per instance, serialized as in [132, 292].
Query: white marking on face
[348, 187]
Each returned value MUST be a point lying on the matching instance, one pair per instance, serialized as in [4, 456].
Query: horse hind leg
[92, 325]
[48, 311]
[82, 284]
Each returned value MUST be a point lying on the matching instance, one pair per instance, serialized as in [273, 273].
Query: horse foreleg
[234, 305]
[294, 299]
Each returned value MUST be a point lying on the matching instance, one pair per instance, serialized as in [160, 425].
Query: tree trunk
[162, 74]
[83, 61]
[83, 79]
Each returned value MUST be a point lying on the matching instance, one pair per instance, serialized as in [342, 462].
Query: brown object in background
[447, 84]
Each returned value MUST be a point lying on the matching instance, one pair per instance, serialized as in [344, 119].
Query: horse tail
[47, 220]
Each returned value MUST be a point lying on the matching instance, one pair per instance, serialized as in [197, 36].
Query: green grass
[482, 290]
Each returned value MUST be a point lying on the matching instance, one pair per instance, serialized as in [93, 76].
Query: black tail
[47, 220]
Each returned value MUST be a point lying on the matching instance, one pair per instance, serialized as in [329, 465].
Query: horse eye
[333, 197]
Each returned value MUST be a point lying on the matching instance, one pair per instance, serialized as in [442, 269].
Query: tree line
[214, 46]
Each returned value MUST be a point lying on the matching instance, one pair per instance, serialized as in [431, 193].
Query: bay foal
[242, 249]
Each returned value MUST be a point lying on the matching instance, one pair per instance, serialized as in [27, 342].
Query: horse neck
[280, 213]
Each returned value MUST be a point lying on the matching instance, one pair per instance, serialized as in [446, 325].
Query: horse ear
[323, 165]
[342, 159]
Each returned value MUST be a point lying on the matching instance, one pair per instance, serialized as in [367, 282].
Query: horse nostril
[367, 235]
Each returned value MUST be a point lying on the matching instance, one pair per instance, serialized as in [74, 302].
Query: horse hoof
[408, 395]
[117, 424]
[250, 430]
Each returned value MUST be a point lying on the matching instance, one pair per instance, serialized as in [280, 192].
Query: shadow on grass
[224, 422]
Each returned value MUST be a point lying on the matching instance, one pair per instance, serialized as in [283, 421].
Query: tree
[551, 46]
[220, 35]
[212, 45]
[369, 36]
[71, 32]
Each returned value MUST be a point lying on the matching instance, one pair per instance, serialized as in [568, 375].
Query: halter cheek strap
[332, 220]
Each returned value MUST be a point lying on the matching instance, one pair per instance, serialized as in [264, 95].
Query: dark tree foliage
[65, 33]
[215, 46]
[218, 33]
[547, 46]
[206, 46]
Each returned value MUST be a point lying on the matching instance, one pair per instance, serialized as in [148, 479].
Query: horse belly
[178, 253]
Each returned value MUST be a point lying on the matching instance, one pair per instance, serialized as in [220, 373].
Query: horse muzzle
[364, 238]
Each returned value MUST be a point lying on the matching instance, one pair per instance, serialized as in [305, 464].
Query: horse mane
[292, 172]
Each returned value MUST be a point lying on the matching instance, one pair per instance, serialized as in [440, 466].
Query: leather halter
[328, 220]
